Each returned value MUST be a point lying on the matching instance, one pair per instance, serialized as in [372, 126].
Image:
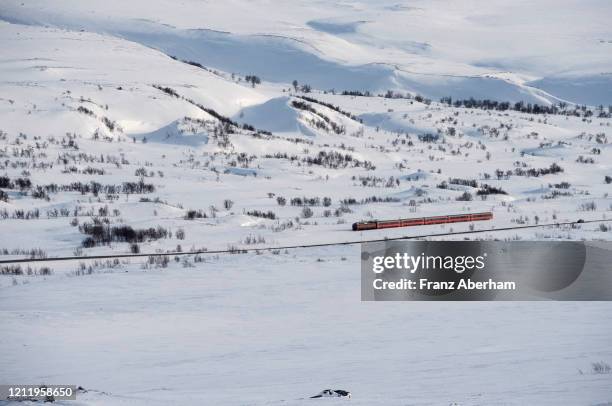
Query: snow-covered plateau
[164, 126]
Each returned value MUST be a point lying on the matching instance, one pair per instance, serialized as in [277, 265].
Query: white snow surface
[505, 50]
[97, 92]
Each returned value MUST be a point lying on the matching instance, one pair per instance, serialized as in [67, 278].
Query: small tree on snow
[307, 212]
[253, 80]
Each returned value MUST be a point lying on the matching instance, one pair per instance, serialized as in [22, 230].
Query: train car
[422, 221]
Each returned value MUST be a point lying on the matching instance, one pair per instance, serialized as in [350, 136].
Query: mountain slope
[481, 49]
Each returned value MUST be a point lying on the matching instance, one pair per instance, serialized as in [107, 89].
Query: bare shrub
[19, 270]
[588, 206]
[251, 240]
[601, 368]
[195, 214]
[465, 197]
[307, 212]
[156, 261]
[258, 213]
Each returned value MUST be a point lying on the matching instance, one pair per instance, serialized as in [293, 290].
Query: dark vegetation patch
[195, 214]
[19, 270]
[99, 232]
[336, 160]
[372, 199]
[490, 190]
[96, 188]
[326, 124]
[529, 108]
[333, 107]
[310, 201]
[262, 214]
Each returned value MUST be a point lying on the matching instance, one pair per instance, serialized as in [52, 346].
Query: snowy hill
[162, 126]
[485, 49]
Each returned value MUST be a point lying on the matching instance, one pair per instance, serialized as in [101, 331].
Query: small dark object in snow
[332, 393]
[580, 221]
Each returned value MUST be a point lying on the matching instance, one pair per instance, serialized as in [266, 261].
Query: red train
[422, 221]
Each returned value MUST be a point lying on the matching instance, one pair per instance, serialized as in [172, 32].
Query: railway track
[297, 246]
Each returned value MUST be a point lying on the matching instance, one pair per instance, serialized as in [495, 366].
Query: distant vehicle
[422, 221]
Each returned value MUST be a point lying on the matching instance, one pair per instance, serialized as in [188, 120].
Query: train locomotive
[421, 221]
